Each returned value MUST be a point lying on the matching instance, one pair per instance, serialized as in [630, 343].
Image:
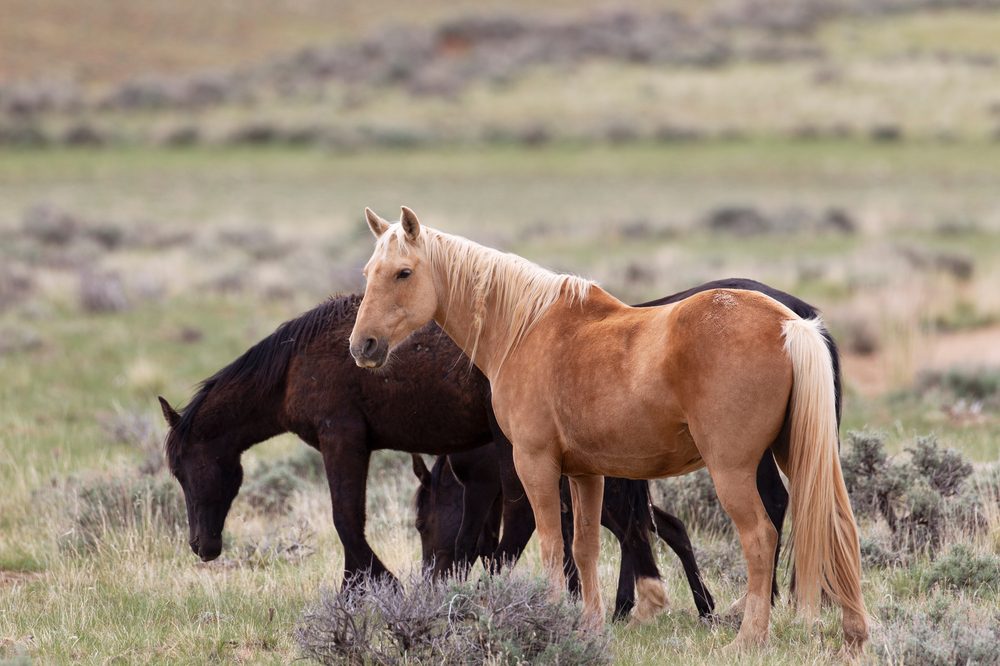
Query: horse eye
[403, 274]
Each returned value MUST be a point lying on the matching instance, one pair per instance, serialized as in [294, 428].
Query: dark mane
[263, 367]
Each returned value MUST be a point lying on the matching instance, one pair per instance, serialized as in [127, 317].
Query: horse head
[210, 476]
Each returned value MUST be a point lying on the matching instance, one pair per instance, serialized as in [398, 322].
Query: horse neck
[480, 329]
[235, 418]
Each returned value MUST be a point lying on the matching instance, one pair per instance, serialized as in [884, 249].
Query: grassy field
[217, 246]
[846, 154]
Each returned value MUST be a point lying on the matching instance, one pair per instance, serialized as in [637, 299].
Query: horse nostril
[369, 348]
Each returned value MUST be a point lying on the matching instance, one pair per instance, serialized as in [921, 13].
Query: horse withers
[587, 386]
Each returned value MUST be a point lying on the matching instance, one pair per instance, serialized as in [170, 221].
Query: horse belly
[639, 446]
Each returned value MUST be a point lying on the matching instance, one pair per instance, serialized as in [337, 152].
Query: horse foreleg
[588, 498]
[625, 596]
[346, 461]
[540, 474]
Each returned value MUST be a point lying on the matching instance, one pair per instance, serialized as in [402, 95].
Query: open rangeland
[127, 273]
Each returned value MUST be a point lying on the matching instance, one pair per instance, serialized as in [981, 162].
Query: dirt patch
[875, 374]
[18, 577]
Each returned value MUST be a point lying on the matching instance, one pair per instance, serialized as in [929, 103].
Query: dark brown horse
[301, 379]
[627, 513]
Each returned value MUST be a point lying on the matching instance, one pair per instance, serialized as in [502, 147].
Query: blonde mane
[523, 291]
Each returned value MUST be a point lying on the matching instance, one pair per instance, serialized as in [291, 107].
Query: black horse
[302, 379]
[627, 513]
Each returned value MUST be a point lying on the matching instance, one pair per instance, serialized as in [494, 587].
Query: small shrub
[945, 469]
[944, 632]
[49, 225]
[962, 569]
[15, 285]
[272, 486]
[876, 552]
[921, 522]
[920, 499]
[282, 547]
[870, 477]
[117, 503]
[502, 619]
[692, 498]
[137, 429]
[973, 384]
[102, 292]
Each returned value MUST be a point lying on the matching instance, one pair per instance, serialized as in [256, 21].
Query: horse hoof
[651, 601]
[743, 643]
[738, 607]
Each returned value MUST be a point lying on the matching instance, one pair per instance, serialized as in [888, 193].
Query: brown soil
[874, 374]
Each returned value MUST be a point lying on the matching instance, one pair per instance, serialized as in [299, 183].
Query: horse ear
[411, 225]
[420, 469]
[375, 223]
[169, 413]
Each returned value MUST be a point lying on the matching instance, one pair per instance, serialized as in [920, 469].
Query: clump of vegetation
[692, 498]
[138, 429]
[945, 469]
[502, 619]
[102, 292]
[275, 482]
[282, 547]
[976, 386]
[961, 568]
[918, 498]
[108, 504]
[946, 631]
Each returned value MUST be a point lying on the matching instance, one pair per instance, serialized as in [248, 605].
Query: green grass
[141, 596]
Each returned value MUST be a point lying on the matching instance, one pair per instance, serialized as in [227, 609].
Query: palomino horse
[587, 386]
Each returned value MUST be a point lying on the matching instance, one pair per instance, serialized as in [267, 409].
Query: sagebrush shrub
[945, 469]
[921, 498]
[943, 632]
[692, 498]
[125, 502]
[502, 619]
[961, 568]
[273, 482]
[271, 488]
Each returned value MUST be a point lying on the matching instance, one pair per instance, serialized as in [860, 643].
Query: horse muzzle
[207, 549]
[370, 353]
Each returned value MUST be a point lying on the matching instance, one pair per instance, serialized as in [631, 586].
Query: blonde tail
[824, 533]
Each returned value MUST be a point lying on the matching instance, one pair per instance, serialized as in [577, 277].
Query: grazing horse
[586, 386]
[301, 379]
[627, 513]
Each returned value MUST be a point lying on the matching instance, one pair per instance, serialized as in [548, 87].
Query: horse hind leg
[737, 492]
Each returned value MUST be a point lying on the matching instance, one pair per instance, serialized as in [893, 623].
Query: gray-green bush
[112, 503]
[503, 619]
[945, 632]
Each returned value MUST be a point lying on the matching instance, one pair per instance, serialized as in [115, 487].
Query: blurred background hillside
[178, 177]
